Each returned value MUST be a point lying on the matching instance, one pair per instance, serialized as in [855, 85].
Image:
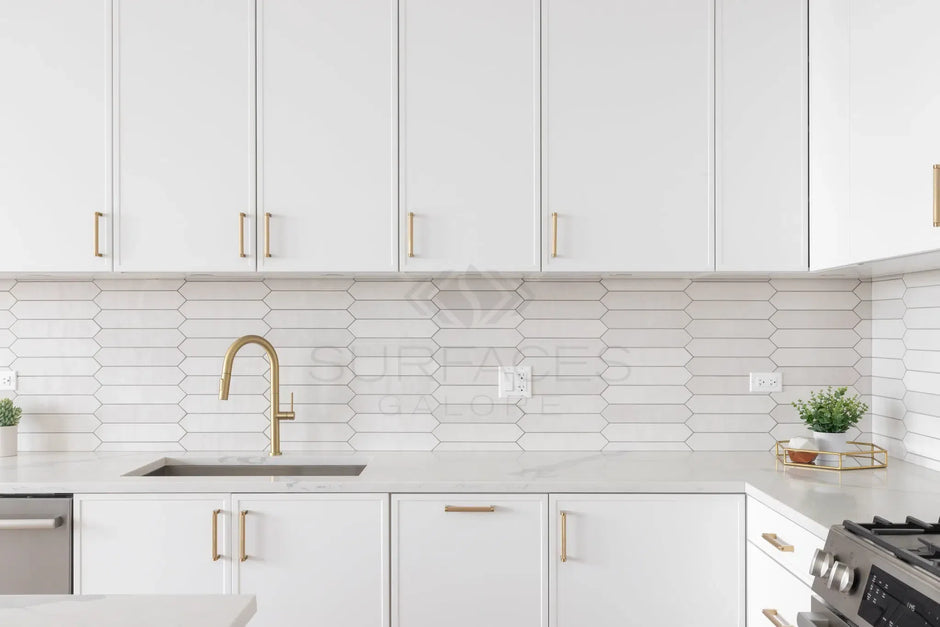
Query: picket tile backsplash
[376, 365]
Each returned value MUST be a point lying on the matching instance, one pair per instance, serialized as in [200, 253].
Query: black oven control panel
[887, 602]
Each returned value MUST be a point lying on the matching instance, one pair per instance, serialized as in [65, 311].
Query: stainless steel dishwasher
[36, 544]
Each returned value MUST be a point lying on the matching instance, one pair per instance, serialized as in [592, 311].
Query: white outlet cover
[515, 382]
[765, 382]
[8, 380]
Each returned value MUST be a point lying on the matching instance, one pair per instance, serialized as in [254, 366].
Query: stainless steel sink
[182, 469]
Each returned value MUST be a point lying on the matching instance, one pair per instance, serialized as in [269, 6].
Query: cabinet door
[55, 128]
[314, 559]
[876, 129]
[151, 544]
[469, 80]
[628, 558]
[628, 90]
[327, 156]
[185, 135]
[771, 588]
[762, 135]
[469, 560]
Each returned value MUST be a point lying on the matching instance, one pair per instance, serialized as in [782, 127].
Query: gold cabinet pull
[472, 509]
[774, 617]
[242, 556]
[554, 234]
[98, 216]
[215, 535]
[564, 537]
[936, 195]
[267, 234]
[777, 543]
[411, 233]
[241, 234]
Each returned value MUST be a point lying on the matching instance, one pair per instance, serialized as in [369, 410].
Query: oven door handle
[22, 524]
[814, 619]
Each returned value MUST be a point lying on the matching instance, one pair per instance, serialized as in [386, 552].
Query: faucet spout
[226, 381]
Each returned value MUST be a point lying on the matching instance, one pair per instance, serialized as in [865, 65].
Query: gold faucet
[276, 414]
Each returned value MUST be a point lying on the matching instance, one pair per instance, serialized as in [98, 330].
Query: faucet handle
[292, 402]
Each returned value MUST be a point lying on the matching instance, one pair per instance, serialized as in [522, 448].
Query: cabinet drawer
[783, 540]
[774, 595]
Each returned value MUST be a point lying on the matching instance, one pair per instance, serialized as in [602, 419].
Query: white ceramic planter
[8, 441]
[835, 442]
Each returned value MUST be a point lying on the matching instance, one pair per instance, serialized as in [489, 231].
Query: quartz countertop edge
[815, 499]
[213, 610]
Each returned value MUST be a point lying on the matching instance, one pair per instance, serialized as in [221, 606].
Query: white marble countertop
[816, 499]
[214, 610]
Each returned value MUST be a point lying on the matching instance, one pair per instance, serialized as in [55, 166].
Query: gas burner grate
[927, 558]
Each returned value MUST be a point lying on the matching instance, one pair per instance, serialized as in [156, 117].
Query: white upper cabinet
[184, 110]
[327, 162]
[762, 136]
[627, 102]
[469, 129]
[875, 128]
[55, 134]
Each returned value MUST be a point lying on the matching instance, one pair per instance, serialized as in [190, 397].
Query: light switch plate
[515, 382]
[8, 380]
[764, 382]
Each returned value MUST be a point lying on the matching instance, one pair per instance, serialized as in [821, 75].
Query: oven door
[821, 616]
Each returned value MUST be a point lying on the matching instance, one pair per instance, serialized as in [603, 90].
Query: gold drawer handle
[564, 537]
[242, 556]
[777, 543]
[936, 195]
[98, 216]
[470, 509]
[241, 234]
[555, 234]
[775, 618]
[267, 234]
[411, 233]
[215, 535]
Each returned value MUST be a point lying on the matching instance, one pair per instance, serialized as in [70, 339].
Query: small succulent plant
[9, 413]
[831, 411]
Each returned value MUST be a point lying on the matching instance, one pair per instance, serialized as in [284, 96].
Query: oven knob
[822, 562]
[841, 577]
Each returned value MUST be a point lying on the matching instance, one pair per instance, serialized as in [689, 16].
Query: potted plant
[829, 415]
[9, 419]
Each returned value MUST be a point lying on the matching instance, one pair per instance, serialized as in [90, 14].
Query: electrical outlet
[8, 380]
[515, 381]
[762, 382]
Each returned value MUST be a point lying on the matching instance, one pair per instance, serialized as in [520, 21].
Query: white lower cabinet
[647, 559]
[319, 559]
[151, 544]
[774, 595]
[469, 560]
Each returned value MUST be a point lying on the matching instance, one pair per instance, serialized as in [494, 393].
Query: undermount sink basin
[175, 468]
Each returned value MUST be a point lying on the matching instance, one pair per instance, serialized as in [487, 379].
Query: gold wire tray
[867, 456]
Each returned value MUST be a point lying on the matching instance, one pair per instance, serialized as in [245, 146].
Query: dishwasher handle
[20, 524]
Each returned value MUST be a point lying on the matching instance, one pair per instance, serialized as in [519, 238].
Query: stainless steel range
[879, 573]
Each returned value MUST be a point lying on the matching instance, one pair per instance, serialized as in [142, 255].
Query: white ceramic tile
[926, 296]
[54, 328]
[392, 309]
[667, 394]
[563, 404]
[249, 423]
[887, 329]
[731, 328]
[413, 347]
[819, 319]
[471, 283]
[467, 375]
[814, 285]
[144, 394]
[52, 404]
[393, 404]
[887, 289]
[393, 441]
[160, 432]
[718, 385]
[237, 403]
[57, 442]
[392, 328]
[562, 290]
[635, 412]
[646, 285]
[332, 284]
[394, 423]
[56, 385]
[477, 337]
[479, 412]
[228, 309]
[393, 290]
[646, 375]
[730, 290]
[139, 413]
[887, 309]
[477, 300]
[209, 384]
[224, 290]
[139, 338]
[147, 285]
[731, 423]
[814, 356]
[336, 338]
[731, 441]
[308, 300]
[55, 347]
[316, 375]
[307, 431]
[918, 402]
[54, 290]
[562, 423]
[139, 300]
[646, 356]
[129, 375]
[730, 347]
[730, 310]
[66, 366]
[889, 348]
[562, 441]
[470, 394]
[731, 404]
[225, 442]
[564, 365]
[394, 366]
[819, 376]
[54, 310]
[637, 338]
[923, 425]
[925, 361]
[477, 319]
[477, 432]
[393, 385]
[213, 365]
[502, 447]
[139, 319]
[646, 319]
[562, 309]
[815, 338]
[562, 328]
[553, 385]
[646, 300]
[654, 432]
[58, 423]
[551, 347]
[814, 300]
[647, 446]
[311, 319]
